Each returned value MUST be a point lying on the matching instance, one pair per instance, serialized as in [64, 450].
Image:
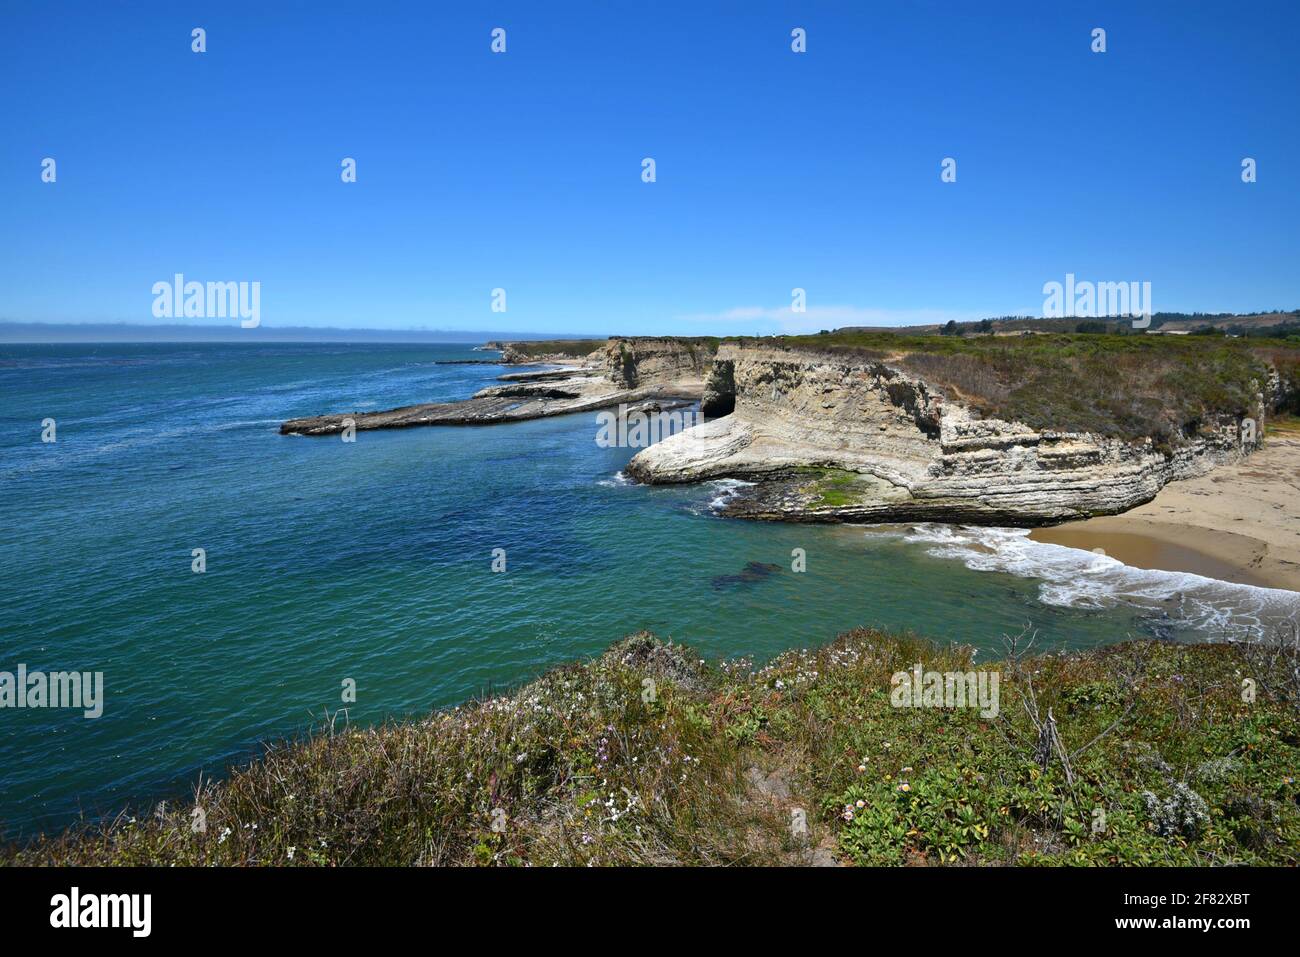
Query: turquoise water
[372, 561]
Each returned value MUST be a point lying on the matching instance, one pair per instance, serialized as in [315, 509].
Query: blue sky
[522, 170]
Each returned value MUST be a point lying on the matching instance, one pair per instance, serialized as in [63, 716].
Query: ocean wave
[1073, 578]
[618, 481]
[726, 489]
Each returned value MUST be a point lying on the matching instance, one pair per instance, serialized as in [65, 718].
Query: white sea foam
[618, 481]
[1074, 578]
[725, 489]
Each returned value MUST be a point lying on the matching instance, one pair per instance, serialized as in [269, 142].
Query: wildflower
[225, 833]
[861, 768]
[860, 803]
[291, 850]
[905, 786]
[906, 770]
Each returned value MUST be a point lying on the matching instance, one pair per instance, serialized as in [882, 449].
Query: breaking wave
[1074, 578]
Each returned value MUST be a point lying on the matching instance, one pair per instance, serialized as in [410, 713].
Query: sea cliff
[838, 436]
[885, 428]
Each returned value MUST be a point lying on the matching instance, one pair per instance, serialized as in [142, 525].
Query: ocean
[371, 562]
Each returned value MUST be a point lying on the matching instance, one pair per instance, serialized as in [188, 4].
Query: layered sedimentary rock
[622, 371]
[829, 437]
[640, 361]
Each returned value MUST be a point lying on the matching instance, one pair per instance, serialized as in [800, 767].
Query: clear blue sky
[523, 170]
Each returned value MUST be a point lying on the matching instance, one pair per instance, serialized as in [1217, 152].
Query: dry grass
[1131, 386]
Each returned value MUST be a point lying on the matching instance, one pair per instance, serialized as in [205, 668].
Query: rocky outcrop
[636, 362]
[830, 437]
[622, 371]
[584, 351]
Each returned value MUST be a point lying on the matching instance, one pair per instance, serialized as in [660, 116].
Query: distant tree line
[1284, 330]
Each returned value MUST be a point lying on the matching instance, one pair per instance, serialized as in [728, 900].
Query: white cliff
[831, 437]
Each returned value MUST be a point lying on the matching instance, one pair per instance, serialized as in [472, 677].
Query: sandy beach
[1239, 523]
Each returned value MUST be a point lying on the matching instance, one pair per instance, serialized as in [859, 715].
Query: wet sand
[1166, 547]
[1240, 523]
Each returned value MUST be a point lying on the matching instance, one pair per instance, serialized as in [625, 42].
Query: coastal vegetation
[1136, 753]
[833, 488]
[1165, 388]
[1275, 323]
[1128, 386]
[572, 348]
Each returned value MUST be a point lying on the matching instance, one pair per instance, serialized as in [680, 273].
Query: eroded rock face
[833, 438]
[797, 409]
[719, 390]
[640, 361]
